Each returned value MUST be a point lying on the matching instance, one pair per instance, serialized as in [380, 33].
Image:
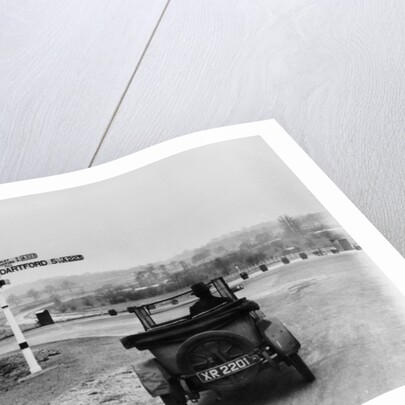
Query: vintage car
[221, 349]
[237, 287]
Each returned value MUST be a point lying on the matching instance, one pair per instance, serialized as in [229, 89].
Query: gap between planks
[129, 84]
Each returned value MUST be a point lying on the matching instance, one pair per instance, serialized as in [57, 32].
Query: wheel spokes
[213, 352]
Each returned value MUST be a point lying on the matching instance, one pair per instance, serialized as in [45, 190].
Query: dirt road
[351, 324]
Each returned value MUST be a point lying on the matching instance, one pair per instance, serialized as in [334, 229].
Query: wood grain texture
[63, 68]
[330, 72]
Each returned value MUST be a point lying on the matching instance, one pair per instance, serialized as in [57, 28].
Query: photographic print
[211, 274]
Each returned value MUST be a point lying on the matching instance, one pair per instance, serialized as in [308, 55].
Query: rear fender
[277, 336]
[153, 377]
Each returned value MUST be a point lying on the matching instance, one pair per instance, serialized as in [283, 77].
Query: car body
[222, 349]
[237, 287]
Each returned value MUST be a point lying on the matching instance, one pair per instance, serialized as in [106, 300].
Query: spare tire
[210, 349]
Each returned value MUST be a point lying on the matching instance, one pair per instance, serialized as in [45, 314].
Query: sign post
[24, 347]
[10, 266]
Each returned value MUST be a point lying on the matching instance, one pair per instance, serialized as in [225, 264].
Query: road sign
[21, 258]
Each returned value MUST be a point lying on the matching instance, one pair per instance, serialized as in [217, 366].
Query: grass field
[81, 372]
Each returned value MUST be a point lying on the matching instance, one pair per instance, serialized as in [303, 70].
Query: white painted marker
[33, 365]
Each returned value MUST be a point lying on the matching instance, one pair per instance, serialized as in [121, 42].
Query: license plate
[229, 368]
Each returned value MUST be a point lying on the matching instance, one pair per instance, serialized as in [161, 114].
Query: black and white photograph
[210, 275]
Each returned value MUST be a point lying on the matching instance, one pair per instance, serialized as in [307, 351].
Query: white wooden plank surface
[63, 68]
[331, 72]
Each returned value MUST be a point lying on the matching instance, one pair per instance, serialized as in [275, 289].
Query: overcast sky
[153, 213]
